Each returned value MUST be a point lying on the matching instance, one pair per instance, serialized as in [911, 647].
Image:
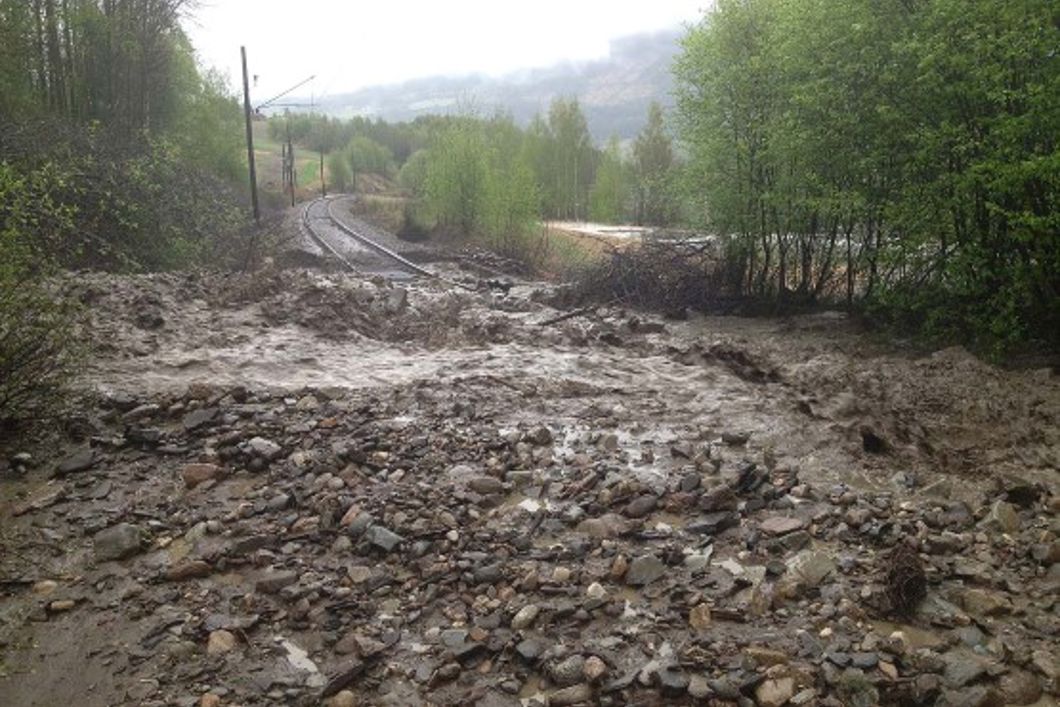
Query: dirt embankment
[301, 487]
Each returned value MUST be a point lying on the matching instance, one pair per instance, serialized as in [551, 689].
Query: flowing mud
[305, 487]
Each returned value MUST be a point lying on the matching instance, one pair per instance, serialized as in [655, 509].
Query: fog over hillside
[614, 92]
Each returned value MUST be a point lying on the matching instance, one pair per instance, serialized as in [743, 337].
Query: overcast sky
[355, 43]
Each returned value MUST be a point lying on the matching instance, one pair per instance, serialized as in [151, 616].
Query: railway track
[324, 209]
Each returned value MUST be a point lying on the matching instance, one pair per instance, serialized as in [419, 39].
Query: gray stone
[117, 542]
[963, 667]
[382, 538]
[1004, 517]
[699, 687]
[79, 461]
[486, 485]
[810, 567]
[524, 617]
[567, 671]
[263, 448]
[640, 506]
[606, 527]
[672, 682]
[775, 692]
[199, 418]
[644, 570]
[571, 695]
[539, 436]
[1018, 687]
[781, 525]
[273, 583]
[530, 648]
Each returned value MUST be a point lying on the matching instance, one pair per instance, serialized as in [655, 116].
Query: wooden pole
[250, 138]
[323, 185]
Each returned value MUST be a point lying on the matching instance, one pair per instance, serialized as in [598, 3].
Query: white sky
[354, 43]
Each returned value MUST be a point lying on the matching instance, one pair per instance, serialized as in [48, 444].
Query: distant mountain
[614, 92]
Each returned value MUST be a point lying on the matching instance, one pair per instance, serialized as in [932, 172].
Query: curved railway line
[328, 204]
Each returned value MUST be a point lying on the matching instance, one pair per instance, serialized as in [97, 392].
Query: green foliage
[903, 155]
[609, 197]
[564, 159]
[118, 206]
[413, 174]
[37, 351]
[653, 162]
[366, 156]
[339, 171]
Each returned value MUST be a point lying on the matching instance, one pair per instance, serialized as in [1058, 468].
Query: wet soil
[405, 492]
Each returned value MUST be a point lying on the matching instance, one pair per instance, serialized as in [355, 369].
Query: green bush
[37, 353]
[112, 204]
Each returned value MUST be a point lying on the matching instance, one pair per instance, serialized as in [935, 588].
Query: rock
[263, 449]
[721, 498]
[981, 602]
[735, 439]
[766, 657]
[446, 673]
[699, 617]
[383, 538]
[713, 523]
[61, 605]
[781, 525]
[346, 674]
[571, 695]
[775, 692]
[486, 485]
[539, 436]
[220, 642]
[963, 667]
[640, 506]
[195, 474]
[644, 570]
[596, 591]
[117, 542]
[1018, 687]
[809, 568]
[210, 700]
[80, 461]
[619, 567]
[273, 583]
[45, 587]
[199, 418]
[1003, 516]
[359, 574]
[530, 649]
[1046, 553]
[594, 669]
[699, 687]
[345, 698]
[672, 682]
[974, 696]
[606, 527]
[192, 569]
[1045, 660]
[525, 617]
[568, 671]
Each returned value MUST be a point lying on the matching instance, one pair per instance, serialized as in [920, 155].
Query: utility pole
[323, 184]
[250, 138]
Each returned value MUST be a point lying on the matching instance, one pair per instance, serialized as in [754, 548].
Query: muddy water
[802, 390]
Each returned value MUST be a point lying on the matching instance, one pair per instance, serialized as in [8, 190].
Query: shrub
[37, 354]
